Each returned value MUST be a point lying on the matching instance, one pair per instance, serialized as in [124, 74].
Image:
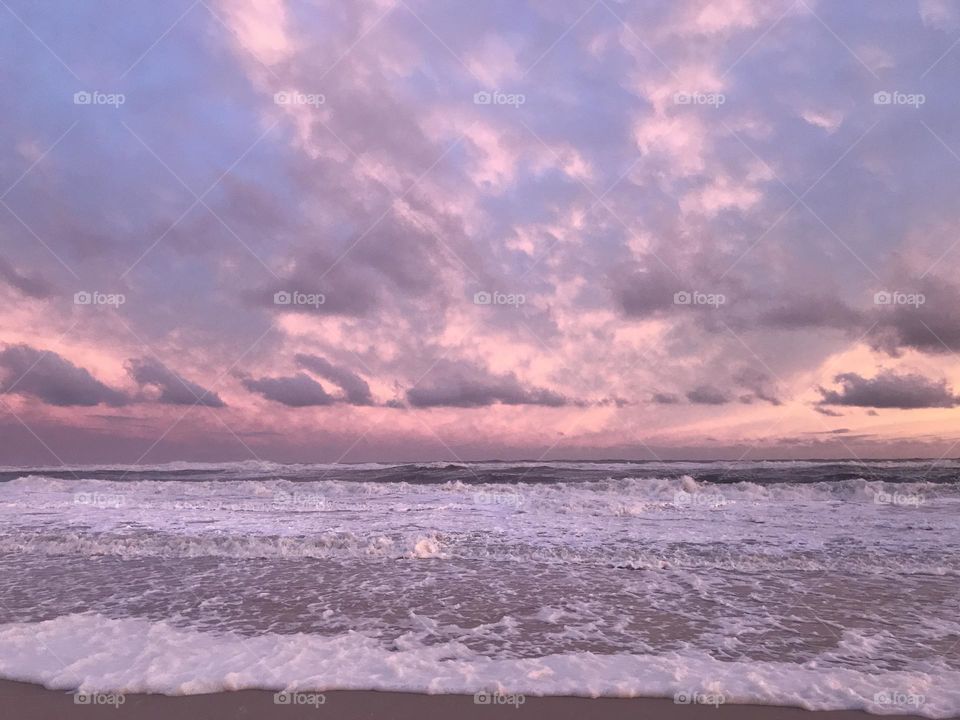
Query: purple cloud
[464, 385]
[299, 390]
[707, 395]
[171, 388]
[356, 388]
[890, 390]
[53, 379]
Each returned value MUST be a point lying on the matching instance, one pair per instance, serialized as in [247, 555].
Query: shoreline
[28, 701]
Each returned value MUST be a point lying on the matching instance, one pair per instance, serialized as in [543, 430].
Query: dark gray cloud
[32, 285]
[932, 326]
[811, 311]
[827, 411]
[759, 383]
[665, 398]
[644, 293]
[612, 401]
[355, 388]
[707, 395]
[452, 384]
[53, 379]
[890, 390]
[173, 388]
[298, 390]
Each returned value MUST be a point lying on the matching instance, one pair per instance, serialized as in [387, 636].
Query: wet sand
[26, 701]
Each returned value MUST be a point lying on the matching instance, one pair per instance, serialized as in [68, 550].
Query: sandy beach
[26, 701]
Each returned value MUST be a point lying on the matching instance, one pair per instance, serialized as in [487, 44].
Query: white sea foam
[100, 654]
[646, 522]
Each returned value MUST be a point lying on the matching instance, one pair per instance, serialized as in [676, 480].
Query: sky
[408, 230]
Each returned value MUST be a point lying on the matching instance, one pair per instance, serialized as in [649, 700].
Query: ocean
[824, 585]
